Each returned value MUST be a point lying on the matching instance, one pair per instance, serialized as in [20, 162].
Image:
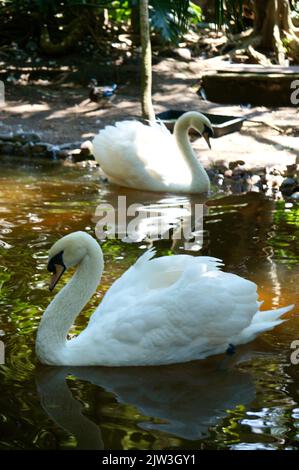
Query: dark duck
[101, 94]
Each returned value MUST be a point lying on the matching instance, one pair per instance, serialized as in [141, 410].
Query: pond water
[246, 401]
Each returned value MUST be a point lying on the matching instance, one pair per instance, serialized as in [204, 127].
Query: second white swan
[150, 158]
[165, 310]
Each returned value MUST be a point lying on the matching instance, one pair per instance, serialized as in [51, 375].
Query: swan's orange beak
[59, 270]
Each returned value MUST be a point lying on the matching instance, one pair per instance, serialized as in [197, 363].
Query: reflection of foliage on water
[271, 416]
[122, 424]
[228, 431]
[252, 221]
[231, 430]
[284, 239]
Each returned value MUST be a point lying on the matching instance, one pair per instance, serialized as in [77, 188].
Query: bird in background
[101, 94]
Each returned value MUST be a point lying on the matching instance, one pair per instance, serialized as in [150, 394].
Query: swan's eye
[55, 260]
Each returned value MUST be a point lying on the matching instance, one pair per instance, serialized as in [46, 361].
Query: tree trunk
[146, 72]
[274, 25]
[273, 31]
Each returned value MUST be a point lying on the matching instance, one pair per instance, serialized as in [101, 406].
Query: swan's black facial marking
[208, 130]
[207, 133]
[57, 267]
[55, 260]
[231, 349]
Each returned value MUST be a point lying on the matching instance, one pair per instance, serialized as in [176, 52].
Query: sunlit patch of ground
[65, 114]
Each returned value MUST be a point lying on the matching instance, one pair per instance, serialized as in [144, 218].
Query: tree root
[273, 31]
[258, 58]
[293, 49]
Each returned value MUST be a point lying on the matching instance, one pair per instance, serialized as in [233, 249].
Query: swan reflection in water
[187, 399]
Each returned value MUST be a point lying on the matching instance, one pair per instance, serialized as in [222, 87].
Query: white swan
[150, 158]
[165, 310]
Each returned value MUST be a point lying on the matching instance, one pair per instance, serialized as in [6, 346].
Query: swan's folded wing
[149, 274]
[219, 306]
[136, 281]
[187, 318]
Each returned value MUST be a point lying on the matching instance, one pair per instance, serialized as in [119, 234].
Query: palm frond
[170, 17]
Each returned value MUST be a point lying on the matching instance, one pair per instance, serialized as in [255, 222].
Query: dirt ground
[63, 113]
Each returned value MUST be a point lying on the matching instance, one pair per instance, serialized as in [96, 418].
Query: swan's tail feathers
[263, 321]
[271, 315]
[211, 263]
[147, 256]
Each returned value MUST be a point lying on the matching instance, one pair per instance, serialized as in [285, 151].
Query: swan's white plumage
[131, 151]
[164, 310]
[147, 157]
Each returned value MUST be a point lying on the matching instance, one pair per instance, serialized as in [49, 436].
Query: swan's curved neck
[198, 172]
[67, 304]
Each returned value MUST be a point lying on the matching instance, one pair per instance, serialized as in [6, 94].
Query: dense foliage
[56, 27]
[25, 20]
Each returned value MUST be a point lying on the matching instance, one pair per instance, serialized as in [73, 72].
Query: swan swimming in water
[150, 158]
[165, 310]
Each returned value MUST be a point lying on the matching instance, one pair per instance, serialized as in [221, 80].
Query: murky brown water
[248, 401]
